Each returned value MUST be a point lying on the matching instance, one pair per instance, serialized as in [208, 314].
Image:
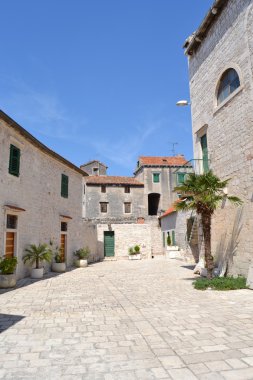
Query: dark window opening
[103, 207]
[64, 226]
[153, 203]
[12, 221]
[103, 189]
[95, 171]
[127, 189]
[127, 207]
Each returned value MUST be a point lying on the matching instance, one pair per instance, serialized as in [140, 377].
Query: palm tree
[37, 253]
[204, 194]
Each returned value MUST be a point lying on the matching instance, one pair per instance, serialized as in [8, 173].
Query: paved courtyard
[125, 320]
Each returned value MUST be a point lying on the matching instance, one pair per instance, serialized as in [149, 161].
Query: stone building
[112, 198]
[94, 167]
[220, 55]
[40, 196]
[157, 174]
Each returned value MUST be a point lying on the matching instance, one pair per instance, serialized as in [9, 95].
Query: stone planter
[59, 267]
[37, 273]
[7, 281]
[172, 252]
[250, 277]
[135, 257]
[81, 263]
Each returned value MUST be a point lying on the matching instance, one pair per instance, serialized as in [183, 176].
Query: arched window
[229, 82]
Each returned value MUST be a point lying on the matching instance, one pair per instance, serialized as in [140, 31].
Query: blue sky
[99, 79]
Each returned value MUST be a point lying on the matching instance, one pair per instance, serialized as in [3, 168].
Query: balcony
[197, 166]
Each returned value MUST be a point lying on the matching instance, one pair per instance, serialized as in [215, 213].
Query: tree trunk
[206, 224]
[37, 263]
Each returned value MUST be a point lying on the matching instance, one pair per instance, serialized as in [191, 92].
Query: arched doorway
[153, 203]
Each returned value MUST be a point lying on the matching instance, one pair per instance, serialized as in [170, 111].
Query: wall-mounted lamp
[182, 103]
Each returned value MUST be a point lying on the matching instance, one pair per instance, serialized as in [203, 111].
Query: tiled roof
[92, 161]
[112, 180]
[171, 209]
[162, 161]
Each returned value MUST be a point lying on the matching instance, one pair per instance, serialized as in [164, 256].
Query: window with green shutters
[14, 162]
[64, 186]
[156, 177]
[180, 178]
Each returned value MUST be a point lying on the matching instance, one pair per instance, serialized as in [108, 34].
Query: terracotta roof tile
[171, 209]
[112, 180]
[162, 161]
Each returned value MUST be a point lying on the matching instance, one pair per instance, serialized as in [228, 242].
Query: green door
[203, 142]
[109, 244]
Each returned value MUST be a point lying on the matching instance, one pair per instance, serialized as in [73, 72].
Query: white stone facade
[37, 190]
[228, 126]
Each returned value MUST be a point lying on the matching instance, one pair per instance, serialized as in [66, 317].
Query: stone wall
[37, 190]
[228, 44]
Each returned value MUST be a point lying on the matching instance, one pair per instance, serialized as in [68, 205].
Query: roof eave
[193, 42]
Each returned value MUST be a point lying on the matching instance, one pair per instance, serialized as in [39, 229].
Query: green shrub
[82, 253]
[134, 250]
[137, 248]
[221, 283]
[168, 239]
[8, 265]
[37, 254]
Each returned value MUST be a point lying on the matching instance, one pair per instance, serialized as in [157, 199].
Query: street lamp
[183, 103]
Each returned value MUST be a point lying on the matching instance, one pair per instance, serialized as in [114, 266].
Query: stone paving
[125, 320]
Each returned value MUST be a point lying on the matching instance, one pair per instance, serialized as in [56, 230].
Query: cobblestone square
[125, 320]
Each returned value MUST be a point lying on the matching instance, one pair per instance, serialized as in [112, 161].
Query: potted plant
[58, 265]
[37, 254]
[134, 253]
[7, 272]
[82, 257]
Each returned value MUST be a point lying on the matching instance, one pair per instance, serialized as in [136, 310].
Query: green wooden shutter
[180, 178]
[156, 177]
[64, 186]
[173, 237]
[14, 162]
[203, 142]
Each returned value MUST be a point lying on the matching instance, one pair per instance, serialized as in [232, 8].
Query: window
[156, 177]
[127, 189]
[95, 171]
[180, 178]
[64, 226]
[103, 207]
[229, 82]
[84, 189]
[127, 207]
[64, 186]
[11, 222]
[103, 189]
[14, 161]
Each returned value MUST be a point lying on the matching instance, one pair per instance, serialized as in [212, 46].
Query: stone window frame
[198, 134]
[234, 66]
[14, 230]
[126, 204]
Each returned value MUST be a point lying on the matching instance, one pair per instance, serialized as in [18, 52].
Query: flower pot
[81, 263]
[59, 267]
[135, 257]
[7, 281]
[37, 273]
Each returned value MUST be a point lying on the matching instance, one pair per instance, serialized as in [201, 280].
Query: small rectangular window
[12, 221]
[103, 189]
[14, 161]
[156, 177]
[127, 189]
[64, 186]
[180, 178]
[127, 207]
[103, 207]
[95, 171]
[64, 226]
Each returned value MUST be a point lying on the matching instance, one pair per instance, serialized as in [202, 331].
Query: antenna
[173, 150]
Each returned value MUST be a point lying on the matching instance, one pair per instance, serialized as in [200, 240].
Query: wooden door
[10, 244]
[63, 246]
[109, 244]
